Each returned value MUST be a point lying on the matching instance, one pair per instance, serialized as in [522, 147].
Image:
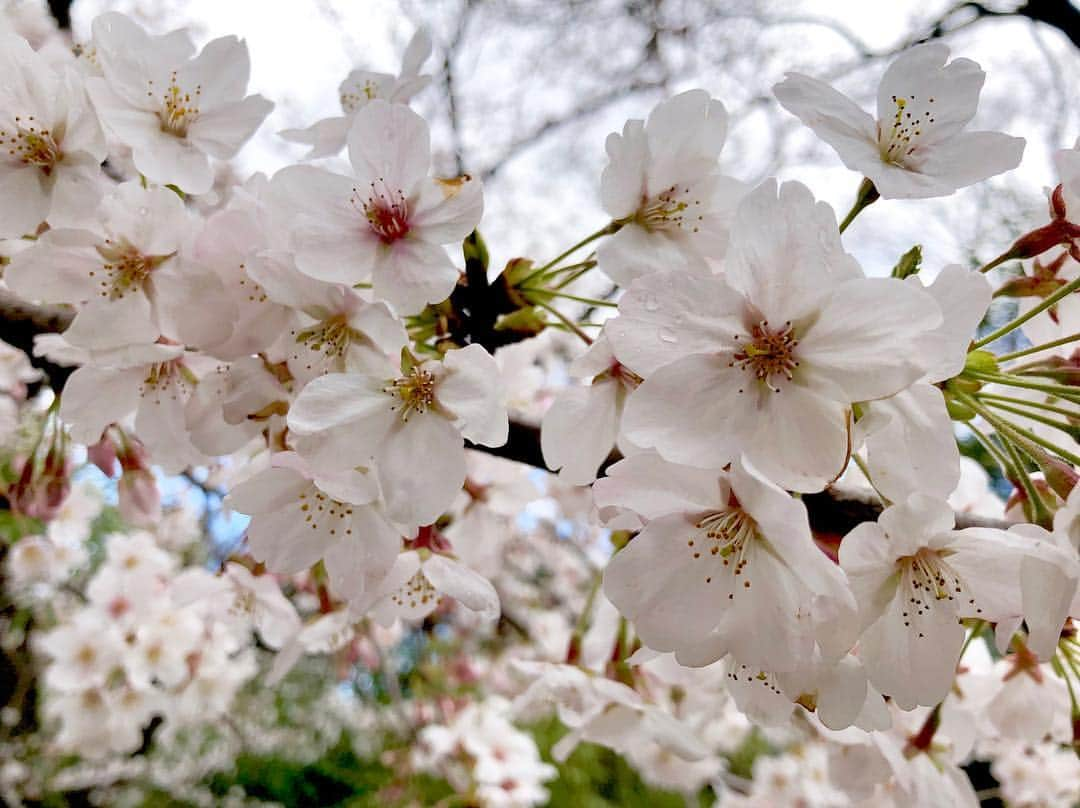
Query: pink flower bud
[139, 498]
[40, 490]
[103, 455]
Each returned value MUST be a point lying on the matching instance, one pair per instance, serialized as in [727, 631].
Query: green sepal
[475, 250]
[981, 362]
[523, 321]
[957, 409]
[909, 264]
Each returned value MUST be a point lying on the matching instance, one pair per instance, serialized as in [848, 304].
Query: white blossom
[917, 147]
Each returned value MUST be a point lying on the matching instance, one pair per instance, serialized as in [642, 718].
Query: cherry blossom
[914, 578]
[174, 110]
[715, 549]
[419, 581]
[255, 601]
[229, 245]
[598, 710]
[298, 520]
[917, 147]
[504, 765]
[153, 382]
[126, 271]
[580, 428]
[334, 329]
[768, 360]
[389, 220]
[360, 87]
[909, 436]
[127, 654]
[52, 143]
[663, 184]
[408, 424]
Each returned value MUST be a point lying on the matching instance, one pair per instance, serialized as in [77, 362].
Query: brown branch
[584, 110]
[833, 511]
[61, 12]
[20, 322]
[450, 84]
[1061, 14]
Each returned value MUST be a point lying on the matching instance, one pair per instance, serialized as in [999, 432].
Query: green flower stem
[569, 279]
[1037, 348]
[992, 397]
[1008, 255]
[551, 292]
[582, 625]
[1059, 669]
[1017, 434]
[606, 230]
[588, 263]
[1068, 429]
[866, 196]
[1035, 509]
[1060, 390]
[1004, 463]
[566, 321]
[1047, 302]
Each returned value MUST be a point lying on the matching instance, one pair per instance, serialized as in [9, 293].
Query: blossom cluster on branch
[314, 338]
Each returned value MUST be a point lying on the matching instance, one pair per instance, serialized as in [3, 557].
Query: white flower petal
[472, 590]
[421, 468]
[885, 314]
[471, 390]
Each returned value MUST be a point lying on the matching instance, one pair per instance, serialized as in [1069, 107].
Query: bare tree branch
[834, 511]
[583, 110]
[20, 322]
[450, 87]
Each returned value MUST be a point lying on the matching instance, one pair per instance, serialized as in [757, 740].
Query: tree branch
[834, 511]
[450, 86]
[20, 322]
[585, 109]
[1061, 14]
[61, 11]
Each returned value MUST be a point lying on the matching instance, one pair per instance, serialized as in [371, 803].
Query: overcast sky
[301, 50]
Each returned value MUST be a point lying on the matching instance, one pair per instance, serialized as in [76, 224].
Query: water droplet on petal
[666, 335]
[144, 211]
[651, 303]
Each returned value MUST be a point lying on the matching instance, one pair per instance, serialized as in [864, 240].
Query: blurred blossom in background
[173, 670]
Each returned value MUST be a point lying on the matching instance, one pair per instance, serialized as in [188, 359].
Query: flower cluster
[321, 342]
[482, 753]
[133, 652]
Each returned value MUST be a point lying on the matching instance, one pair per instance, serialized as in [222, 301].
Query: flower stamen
[32, 145]
[667, 211]
[928, 579]
[726, 535]
[179, 109]
[901, 140]
[768, 353]
[416, 391]
[125, 268]
[386, 211]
